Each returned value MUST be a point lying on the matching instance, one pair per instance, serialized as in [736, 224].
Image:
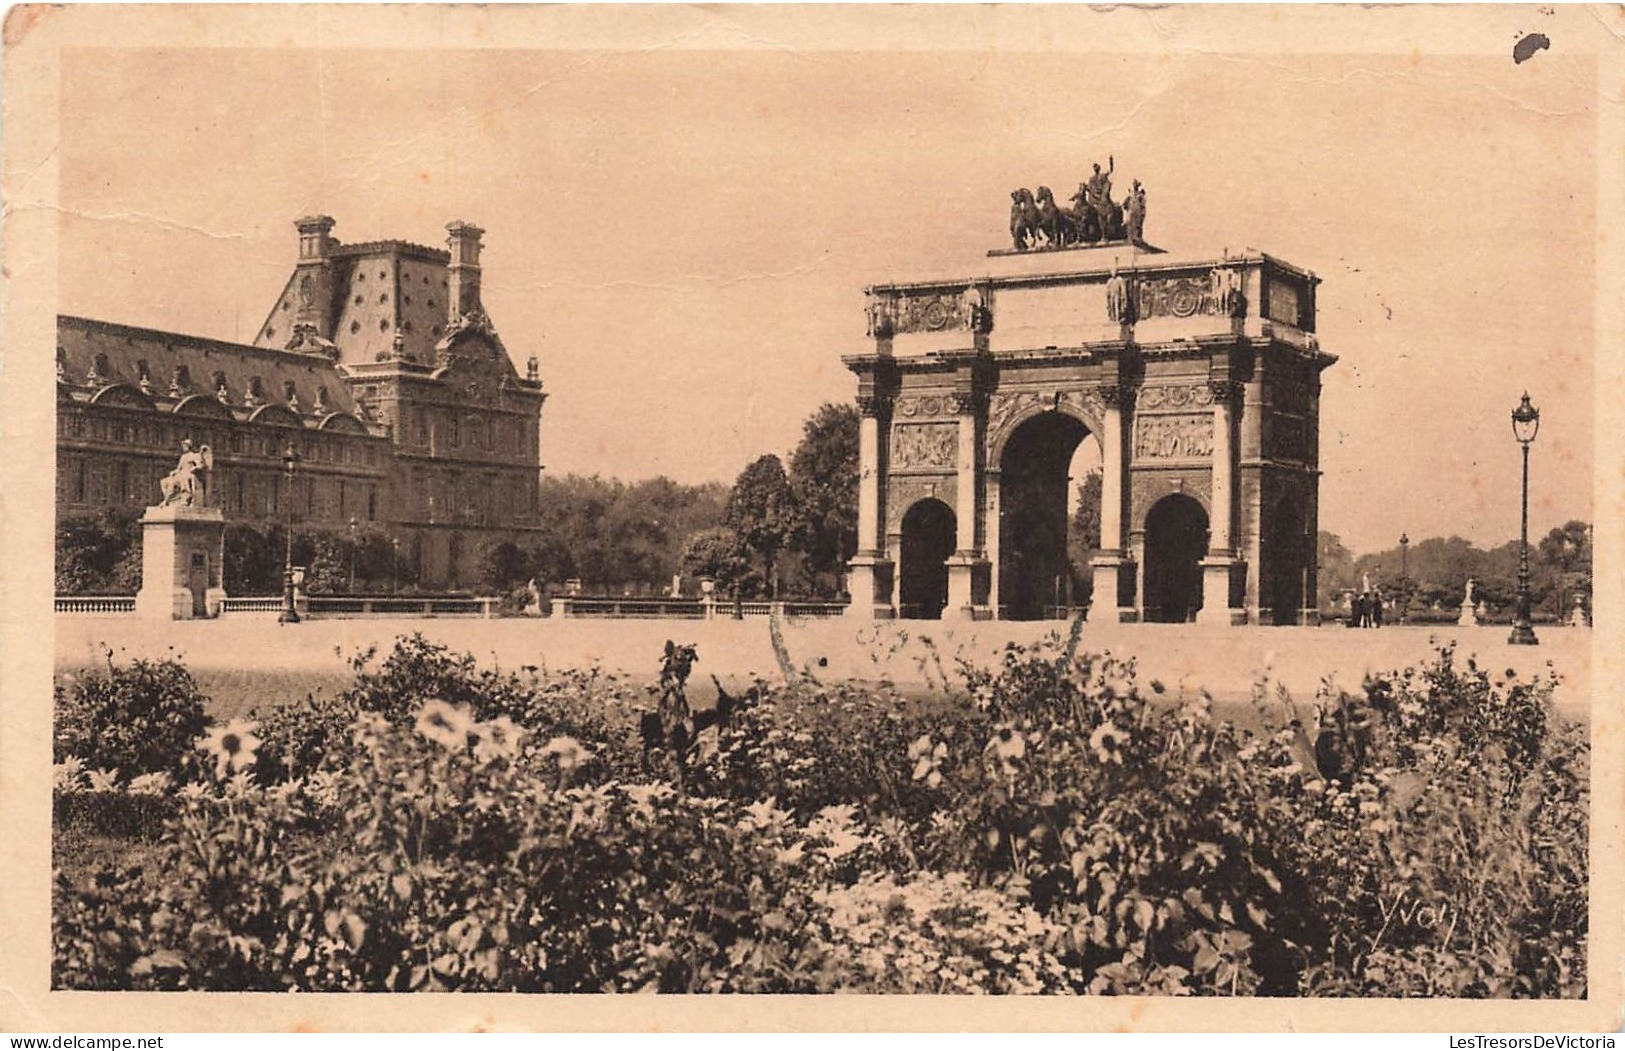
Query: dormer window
[221, 391]
[99, 370]
[143, 376]
[256, 390]
[180, 380]
[290, 395]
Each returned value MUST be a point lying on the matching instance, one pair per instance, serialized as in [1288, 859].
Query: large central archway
[928, 541]
[1175, 542]
[1034, 570]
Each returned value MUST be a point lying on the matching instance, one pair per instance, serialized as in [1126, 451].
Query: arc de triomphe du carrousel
[1198, 377]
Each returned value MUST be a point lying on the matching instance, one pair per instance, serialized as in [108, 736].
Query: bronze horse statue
[1056, 225]
[1024, 219]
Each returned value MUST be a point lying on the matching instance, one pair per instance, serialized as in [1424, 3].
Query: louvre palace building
[377, 364]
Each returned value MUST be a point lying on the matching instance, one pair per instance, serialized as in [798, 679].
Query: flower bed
[1053, 827]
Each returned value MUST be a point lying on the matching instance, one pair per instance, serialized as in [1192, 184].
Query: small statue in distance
[187, 485]
[1134, 213]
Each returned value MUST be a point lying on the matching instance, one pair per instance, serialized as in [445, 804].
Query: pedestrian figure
[1362, 610]
[1376, 609]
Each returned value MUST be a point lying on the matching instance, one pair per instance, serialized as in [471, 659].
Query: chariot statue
[188, 484]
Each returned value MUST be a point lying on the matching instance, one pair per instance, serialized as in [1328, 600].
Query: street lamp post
[1404, 576]
[394, 564]
[289, 614]
[352, 554]
[1525, 425]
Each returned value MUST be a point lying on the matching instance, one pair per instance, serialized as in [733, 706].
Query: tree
[1335, 565]
[253, 560]
[824, 483]
[550, 561]
[761, 510]
[501, 565]
[718, 553]
[94, 554]
[1083, 535]
[617, 536]
[1563, 566]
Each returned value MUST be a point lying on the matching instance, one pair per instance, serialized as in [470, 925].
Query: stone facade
[1200, 381]
[377, 363]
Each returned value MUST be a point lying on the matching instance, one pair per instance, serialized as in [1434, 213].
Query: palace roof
[140, 367]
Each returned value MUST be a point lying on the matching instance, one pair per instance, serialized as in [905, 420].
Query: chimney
[313, 279]
[464, 272]
[313, 237]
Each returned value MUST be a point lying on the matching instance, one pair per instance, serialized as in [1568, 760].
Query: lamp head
[1525, 421]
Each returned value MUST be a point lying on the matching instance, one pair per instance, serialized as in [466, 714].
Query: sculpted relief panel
[924, 445]
[900, 314]
[1174, 397]
[1008, 406]
[926, 405]
[1289, 438]
[1218, 293]
[1174, 437]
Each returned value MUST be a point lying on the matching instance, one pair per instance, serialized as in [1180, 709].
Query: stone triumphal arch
[1197, 378]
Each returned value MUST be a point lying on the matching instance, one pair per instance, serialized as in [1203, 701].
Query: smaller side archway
[1176, 539]
[1283, 592]
[929, 528]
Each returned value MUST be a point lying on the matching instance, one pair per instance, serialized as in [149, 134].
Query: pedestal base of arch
[870, 582]
[1113, 589]
[1218, 573]
[970, 579]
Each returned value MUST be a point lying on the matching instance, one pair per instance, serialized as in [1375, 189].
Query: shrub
[1056, 828]
[135, 719]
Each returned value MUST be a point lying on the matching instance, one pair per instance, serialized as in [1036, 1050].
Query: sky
[683, 236]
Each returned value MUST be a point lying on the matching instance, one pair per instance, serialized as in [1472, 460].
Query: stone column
[870, 579]
[990, 539]
[967, 558]
[1112, 562]
[1218, 566]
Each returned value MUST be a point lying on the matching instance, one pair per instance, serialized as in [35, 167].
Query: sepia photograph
[1097, 506]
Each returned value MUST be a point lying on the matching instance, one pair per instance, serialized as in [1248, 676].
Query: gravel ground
[237, 652]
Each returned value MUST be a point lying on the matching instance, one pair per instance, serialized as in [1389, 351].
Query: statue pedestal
[182, 555]
[1469, 616]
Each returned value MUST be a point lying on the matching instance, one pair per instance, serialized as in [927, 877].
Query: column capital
[874, 406]
[1115, 395]
[968, 403]
[1225, 392]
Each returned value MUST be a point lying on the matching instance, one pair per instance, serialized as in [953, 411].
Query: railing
[814, 609]
[266, 604]
[569, 606]
[467, 606]
[397, 606]
[679, 609]
[95, 603]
